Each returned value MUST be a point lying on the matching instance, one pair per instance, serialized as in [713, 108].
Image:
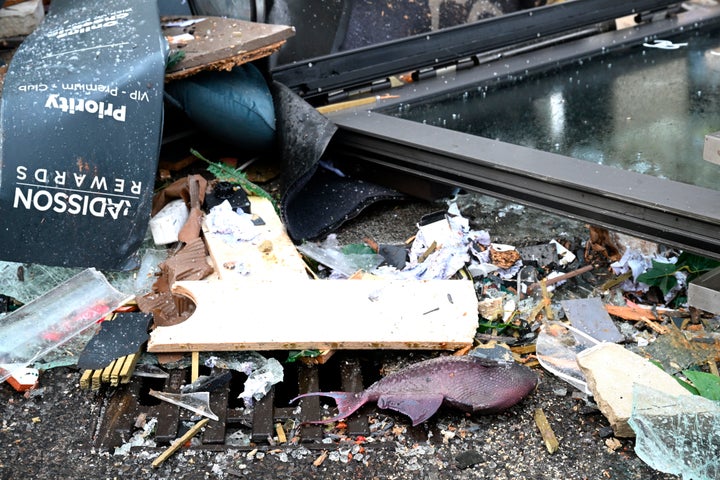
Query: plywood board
[220, 43]
[261, 298]
[290, 314]
[269, 256]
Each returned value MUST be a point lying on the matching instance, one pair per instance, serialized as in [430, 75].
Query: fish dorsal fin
[419, 407]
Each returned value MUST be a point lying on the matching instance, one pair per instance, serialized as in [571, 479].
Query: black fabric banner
[81, 118]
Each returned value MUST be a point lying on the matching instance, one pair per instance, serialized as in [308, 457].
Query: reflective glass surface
[324, 27]
[645, 109]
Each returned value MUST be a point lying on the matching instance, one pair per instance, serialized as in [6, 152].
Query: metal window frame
[320, 75]
[375, 144]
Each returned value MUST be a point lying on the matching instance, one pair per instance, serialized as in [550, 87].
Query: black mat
[315, 200]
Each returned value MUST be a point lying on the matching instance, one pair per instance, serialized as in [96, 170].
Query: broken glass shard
[556, 349]
[208, 383]
[198, 402]
[261, 380]
[330, 254]
[262, 372]
[677, 435]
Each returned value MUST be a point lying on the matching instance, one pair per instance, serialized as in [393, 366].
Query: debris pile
[478, 322]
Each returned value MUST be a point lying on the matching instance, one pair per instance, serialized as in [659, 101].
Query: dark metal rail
[368, 64]
[656, 209]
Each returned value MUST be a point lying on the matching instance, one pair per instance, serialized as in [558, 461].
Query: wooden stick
[560, 278]
[546, 299]
[616, 281]
[85, 379]
[636, 315]
[336, 107]
[551, 441]
[128, 367]
[179, 442]
[280, 433]
[195, 367]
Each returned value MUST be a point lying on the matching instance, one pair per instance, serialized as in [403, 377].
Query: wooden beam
[271, 255]
[322, 314]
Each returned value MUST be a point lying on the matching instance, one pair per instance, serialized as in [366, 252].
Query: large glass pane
[644, 109]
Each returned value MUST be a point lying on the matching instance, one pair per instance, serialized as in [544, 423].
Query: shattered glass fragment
[677, 435]
[556, 349]
[25, 282]
[198, 402]
[208, 383]
[330, 254]
[260, 381]
[141, 438]
[262, 373]
[238, 439]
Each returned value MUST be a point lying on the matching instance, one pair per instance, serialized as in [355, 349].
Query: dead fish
[465, 382]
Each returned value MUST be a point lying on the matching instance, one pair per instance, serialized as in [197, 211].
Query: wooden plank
[117, 366]
[270, 255]
[277, 307]
[167, 413]
[263, 418]
[215, 431]
[119, 417]
[309, 381]
[220, 43]
[352, 382]
[287, 314]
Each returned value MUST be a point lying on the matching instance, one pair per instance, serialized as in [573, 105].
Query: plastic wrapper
[556, 350]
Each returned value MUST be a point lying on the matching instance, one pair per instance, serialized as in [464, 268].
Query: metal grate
[122, 406]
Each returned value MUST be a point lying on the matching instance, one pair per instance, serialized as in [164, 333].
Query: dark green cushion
[234, 106]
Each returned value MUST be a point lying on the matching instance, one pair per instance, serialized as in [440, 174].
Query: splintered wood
[273, 305]
[218, 43]
[117, 372]
[546, 431]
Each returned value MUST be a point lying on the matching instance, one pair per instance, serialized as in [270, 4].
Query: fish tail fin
[347, 404]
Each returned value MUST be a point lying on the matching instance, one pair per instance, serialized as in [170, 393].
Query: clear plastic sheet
[557, 350]
[51, 320]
